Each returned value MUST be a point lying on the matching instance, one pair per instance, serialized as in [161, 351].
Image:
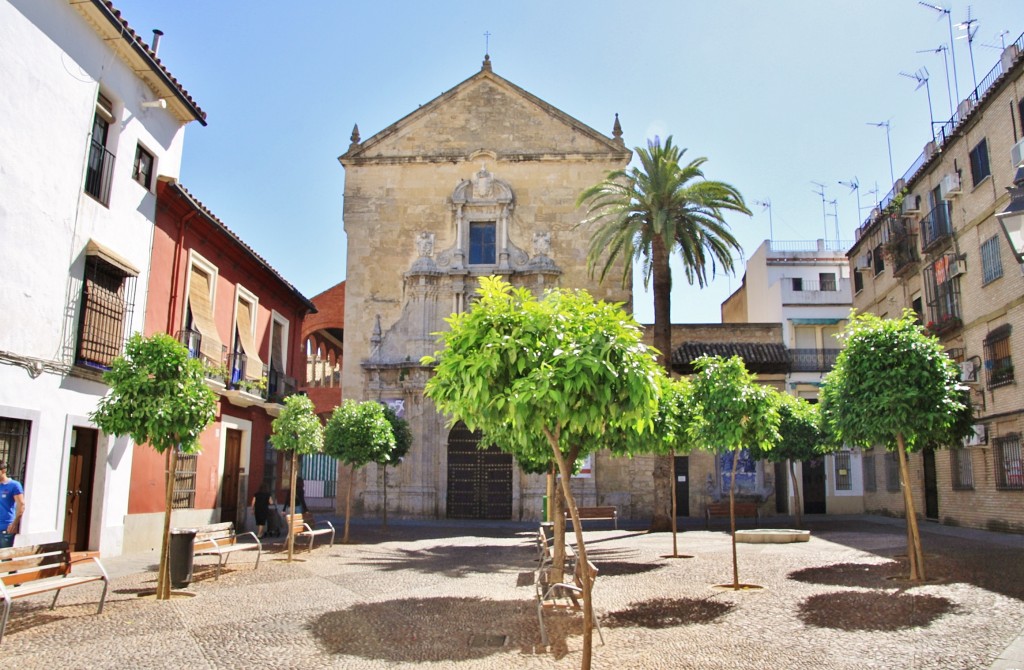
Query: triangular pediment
[485, 113]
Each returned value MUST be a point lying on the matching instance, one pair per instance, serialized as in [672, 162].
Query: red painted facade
[189, 239]
[323, 333]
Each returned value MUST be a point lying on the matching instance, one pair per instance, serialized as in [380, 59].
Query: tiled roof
[182, 192]
[758, 357]
[113, 15]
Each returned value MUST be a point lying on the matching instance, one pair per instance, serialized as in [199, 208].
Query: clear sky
[777, 94]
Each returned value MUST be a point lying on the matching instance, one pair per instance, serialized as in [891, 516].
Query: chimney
[157, 34]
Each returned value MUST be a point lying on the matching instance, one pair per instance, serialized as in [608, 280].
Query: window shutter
[253, 364]
[277, 348]
[202, 317]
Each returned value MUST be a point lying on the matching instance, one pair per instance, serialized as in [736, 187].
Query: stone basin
[772, 536]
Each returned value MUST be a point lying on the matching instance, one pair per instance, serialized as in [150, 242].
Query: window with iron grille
[991, 262]
[979, 162]
[108, 298]
[998, 362]
[963, 470]
[100, 166]
[142, 171]
[184, 496]
[844, 478]
[14, 434]
[892, 471]
[942, 290]
[870, 482]
[1009, 472]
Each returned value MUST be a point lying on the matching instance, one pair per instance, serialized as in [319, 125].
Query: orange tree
[296, 430]
[158, 396]
[894, 385]
[565, 366]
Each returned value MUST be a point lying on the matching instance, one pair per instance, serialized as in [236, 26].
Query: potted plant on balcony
[943, 324]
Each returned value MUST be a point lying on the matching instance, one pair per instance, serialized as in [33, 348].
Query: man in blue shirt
[12, 506]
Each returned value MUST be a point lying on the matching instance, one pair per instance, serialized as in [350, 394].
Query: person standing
[261, 503]
[12, 506]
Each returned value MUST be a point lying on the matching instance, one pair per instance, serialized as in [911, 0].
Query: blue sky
[776, 94]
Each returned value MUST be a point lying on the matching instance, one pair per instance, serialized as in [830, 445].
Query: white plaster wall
[52, 65]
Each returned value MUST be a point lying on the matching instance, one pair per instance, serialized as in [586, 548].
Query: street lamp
[1011, 219]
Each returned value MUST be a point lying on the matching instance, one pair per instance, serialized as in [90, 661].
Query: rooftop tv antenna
[888, 143]
[945, 61]
[835, 215]
[968, 25]
[921, 77]
[767, 204]
[952, 51]
[824, 215]
[854, 186]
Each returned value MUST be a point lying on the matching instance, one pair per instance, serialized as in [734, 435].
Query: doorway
[782, 487]
[229, 490]
[81, 472]
[479, 480]
[814, 486]
[682, 486]
[931, 486]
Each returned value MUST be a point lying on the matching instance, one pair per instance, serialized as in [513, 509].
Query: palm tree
[648, 213]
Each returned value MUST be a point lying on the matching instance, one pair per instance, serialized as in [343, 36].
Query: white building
[805, 286]
[90, 117]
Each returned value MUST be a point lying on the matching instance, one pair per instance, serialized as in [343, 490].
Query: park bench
[303, 525]
[566, 594]
[545, 543]
[607, 513]
[743, 509]
[221, 540]
[28, 571]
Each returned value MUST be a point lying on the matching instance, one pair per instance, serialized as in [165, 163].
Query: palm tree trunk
[732, 520]
[662, 293]
[914, 553]
[796, 492]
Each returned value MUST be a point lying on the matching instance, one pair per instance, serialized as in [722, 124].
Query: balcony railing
[193, 340]
[935, 227]
[279, 386]
[901, 253]
[99, 172]
[805, 292]
[812, 360]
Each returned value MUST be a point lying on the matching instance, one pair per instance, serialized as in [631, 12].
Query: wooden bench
[607, 513]
[221, 540]
[743, 509]
[565, 594]
[303, 525]
[545, 543]
[27, 571]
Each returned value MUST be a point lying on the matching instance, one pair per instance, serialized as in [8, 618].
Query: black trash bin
[180, 556]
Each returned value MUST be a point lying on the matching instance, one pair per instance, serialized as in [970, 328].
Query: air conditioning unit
[969, 372]
[956, 268]
[911, 204]
[1017, 155]
[950, 186]
[863, 262]
[979, 437]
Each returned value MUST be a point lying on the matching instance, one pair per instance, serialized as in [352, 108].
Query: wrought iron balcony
[279, 386]
[936, 227]
[99, 171]
[812, 360]
[901, 253]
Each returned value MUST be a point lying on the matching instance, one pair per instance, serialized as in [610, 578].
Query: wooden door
[931, 486]
[229, 488]
[479, 480]
[81, 471]
[682, 486]
[814, 486]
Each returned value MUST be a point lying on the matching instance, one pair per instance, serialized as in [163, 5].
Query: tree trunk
[672, 488]
[796, 492]
[914, 553]
[661, 276]
[385, 495]
[557, 505]
[732, 520]
[163, 575]
[550, 490]
[291, 505]
[348, 502]
[582, 564]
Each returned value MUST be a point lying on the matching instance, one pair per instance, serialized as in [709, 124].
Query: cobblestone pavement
[450, 595]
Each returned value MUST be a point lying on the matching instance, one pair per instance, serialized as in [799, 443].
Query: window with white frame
[142, 170]
[14, 436]
[200, 333]
[991, 262]
[108, 300]
[99, 168]
[1009, 468]
[962, 469]
[246, 365]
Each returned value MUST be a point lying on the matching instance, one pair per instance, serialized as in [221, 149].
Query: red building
[244, 320]
[323, 333]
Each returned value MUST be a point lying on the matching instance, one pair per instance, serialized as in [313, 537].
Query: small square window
[142, 172]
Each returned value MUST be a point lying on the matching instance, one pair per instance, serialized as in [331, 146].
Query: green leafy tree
[403, 442]
[893, 385]
[732, 412]
[158, 396]
[649, 213]
[296, 430]
[358, 433]
[566, 367]
[800, 440]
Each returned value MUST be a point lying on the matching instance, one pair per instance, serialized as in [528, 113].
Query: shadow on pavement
[873, 610]
[452, 560]
[668, 612]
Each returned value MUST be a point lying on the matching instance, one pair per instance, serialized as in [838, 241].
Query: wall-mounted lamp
[159, 103]
[1012, 218]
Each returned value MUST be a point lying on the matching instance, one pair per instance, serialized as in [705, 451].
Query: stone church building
[481, 180]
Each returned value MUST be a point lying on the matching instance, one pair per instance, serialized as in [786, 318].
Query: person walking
[12, 506]
[261, 503]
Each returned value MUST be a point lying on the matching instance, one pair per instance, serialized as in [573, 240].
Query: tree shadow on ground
[623, 568]
[425, 630]
[866, 575]
[451, 560]
[873, 610]
[668, 612]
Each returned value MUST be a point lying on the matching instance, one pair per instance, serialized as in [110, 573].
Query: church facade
[482, 180]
